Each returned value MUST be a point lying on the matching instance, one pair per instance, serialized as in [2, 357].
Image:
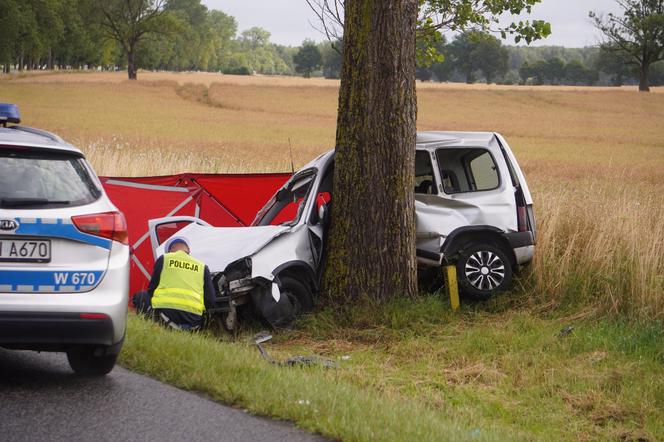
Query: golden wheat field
[594, 157]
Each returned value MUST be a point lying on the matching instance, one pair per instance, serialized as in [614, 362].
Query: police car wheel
[483, 270]
[85, 363]
[298, 294]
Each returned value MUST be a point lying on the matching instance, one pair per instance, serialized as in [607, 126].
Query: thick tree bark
[644, 80]
[131, 64]
[372, 233]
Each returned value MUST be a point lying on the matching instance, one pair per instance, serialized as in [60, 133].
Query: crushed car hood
[219, 246]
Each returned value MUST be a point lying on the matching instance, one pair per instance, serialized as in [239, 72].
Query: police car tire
[485, 252]
[294, 288]
[85, 363]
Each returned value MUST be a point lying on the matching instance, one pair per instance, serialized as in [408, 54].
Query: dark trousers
[142, 304]
[183, 320]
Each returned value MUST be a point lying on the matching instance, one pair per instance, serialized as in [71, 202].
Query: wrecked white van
[473, 209]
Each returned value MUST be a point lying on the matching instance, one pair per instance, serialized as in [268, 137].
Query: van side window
[467, 170]
[424, 180]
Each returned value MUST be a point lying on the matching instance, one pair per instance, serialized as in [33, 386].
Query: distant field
[594, 159]
[208, 78]
[251, 117]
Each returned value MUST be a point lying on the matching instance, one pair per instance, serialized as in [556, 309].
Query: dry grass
[603, 247]
[594, 158]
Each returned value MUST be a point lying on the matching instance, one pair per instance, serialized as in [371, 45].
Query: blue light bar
[9, 113]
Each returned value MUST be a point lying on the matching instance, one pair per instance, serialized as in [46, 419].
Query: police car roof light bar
[9, 114]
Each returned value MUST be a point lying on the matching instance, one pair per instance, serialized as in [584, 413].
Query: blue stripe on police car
[49, 281]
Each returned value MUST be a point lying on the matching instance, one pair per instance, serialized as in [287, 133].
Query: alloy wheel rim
[485, 270]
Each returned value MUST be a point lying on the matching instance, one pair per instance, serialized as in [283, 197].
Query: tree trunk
[131, 64]
[371, 248]
[644, 81]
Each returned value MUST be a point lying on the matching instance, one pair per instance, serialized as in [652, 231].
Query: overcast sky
[289, 20]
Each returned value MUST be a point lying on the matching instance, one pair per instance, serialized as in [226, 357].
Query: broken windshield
[286, 206]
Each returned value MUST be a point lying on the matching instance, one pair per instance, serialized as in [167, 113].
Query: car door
[474, 183]
[321, 196]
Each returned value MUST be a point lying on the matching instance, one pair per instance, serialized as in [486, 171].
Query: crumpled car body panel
[218, 247]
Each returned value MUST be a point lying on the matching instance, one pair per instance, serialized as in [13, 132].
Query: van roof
[428, 140]
[24, 136]
[431, 139]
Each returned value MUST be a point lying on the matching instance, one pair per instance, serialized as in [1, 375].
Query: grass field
[594, 159]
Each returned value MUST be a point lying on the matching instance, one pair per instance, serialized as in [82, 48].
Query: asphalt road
[41, 399]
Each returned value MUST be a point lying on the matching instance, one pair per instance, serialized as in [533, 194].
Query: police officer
[181, 287]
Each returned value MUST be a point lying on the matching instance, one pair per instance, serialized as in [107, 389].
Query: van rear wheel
[483, 270]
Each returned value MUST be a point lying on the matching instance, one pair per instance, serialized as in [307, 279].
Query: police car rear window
[38, 180]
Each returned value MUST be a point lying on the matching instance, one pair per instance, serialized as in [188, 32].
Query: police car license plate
[25, 250]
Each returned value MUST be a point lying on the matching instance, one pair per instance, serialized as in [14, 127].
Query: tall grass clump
[601, 246]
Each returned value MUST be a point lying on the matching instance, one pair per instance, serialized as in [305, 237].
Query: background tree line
[473, 57]
[187, 36]
[183, 35]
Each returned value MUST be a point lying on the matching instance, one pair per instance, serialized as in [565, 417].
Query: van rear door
[524, 200]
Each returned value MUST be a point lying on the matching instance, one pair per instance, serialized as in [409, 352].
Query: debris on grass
[565, 331]
[295, 361]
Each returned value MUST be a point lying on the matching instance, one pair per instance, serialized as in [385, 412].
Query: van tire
[483, 270]
[85, 363]
[298, 293]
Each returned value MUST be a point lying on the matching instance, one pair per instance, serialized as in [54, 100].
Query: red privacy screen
[220, 200]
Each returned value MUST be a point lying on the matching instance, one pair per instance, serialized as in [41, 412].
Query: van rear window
[467, 170]
[38, 180]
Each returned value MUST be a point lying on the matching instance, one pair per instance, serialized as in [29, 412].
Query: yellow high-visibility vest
[181, 285]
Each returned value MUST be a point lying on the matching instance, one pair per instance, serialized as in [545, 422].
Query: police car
[64, 258]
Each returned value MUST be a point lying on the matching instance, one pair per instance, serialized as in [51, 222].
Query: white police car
[64, 258]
